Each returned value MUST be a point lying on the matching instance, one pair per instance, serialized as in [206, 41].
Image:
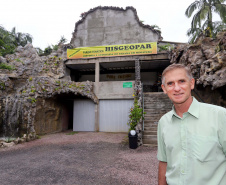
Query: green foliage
[6, 66]
[9, 40]
[33, 100]
[9, 139]
[57, 82]
[30, 79]
[48, 50]
[136, 113]
[33, 90]
[38, 137]
[194, 33]
[39, 51]
[54, 47]
[204, 15]
[72, 133]
[165, 47]
[18, 60]
[2, 85]
[62, 40]
[156, 27]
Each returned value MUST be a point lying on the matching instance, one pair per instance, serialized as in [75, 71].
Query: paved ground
[83, 158]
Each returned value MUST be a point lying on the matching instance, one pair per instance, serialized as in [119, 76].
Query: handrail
[143, 107]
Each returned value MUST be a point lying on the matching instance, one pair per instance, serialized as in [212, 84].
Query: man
[192, 136]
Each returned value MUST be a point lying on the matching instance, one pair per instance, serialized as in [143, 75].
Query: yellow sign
[113, 50]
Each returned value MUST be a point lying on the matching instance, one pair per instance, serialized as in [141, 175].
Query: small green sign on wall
[127, 84]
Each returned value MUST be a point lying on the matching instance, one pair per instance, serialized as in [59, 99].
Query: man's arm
[162, 173]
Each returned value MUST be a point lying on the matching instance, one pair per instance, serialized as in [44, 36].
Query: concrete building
[106, 26]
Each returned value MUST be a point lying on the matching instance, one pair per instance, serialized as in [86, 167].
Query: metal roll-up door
[114, 115]
[84, 115]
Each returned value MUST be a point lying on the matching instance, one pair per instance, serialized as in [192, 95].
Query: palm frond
[221, 10]
[196, 20]
[204, 13]
[192, 7]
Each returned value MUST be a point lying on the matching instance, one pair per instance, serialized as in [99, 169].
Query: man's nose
[177, 87]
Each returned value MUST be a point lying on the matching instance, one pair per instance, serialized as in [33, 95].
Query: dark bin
[133, 141]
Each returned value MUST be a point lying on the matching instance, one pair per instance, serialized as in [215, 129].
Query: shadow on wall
[207, 95]
[55, 114]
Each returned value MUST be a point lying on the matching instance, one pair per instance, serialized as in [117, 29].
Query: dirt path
[82, 158]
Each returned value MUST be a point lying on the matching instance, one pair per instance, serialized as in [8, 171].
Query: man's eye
[170, 83]
[182, 81]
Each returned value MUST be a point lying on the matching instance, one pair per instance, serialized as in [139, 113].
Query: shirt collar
[193, 109]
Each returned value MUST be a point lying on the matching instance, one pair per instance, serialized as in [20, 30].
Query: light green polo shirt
[194, 146]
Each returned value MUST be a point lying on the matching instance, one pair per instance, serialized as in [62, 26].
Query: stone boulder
[33, 80]
[207, 61]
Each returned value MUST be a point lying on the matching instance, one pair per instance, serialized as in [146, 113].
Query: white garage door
[114, 115]
[84, 115]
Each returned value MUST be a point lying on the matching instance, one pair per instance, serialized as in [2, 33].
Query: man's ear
[192, 83]
[164, 89]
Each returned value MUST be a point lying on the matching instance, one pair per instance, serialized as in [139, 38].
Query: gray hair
[176, 66]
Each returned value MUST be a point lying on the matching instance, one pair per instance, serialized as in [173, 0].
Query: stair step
[156, 117]
[150, 145]
[150, 124]
[154, 137]
[149, 141]
[155, 112]
[152, 121]
[155, 105]
[150, 129]
[145, 133]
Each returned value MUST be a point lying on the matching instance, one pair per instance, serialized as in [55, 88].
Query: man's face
[178, 86]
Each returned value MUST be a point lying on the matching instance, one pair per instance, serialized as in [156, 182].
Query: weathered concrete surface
[110, 26]
[113, 90]
[83, 158]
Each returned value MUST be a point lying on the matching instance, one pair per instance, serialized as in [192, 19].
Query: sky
[48, 20]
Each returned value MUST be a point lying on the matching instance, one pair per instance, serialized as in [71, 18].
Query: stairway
[156, 104]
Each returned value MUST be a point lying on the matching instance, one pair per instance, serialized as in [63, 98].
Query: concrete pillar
[96, 90]
[97, 72]
[97, 117]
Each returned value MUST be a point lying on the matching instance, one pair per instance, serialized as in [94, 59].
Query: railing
[142, 106]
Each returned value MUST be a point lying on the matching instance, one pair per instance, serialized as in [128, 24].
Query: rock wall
[28, 92]
[110, 26]
[207, 60]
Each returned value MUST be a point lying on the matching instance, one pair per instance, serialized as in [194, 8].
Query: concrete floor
[82, 158]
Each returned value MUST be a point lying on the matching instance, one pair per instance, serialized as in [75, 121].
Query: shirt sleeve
[222, 131]
[161, 144]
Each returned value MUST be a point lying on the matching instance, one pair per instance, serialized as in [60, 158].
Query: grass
[5, 66]
[72, 133]
[38, 137]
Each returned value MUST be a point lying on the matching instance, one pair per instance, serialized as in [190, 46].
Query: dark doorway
[67, 115]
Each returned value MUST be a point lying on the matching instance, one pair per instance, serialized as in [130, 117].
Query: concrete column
[96, 90]
[97, 117]
[97, 72]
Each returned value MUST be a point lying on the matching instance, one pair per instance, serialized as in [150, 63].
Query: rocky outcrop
[32, 80]
[207, 60]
